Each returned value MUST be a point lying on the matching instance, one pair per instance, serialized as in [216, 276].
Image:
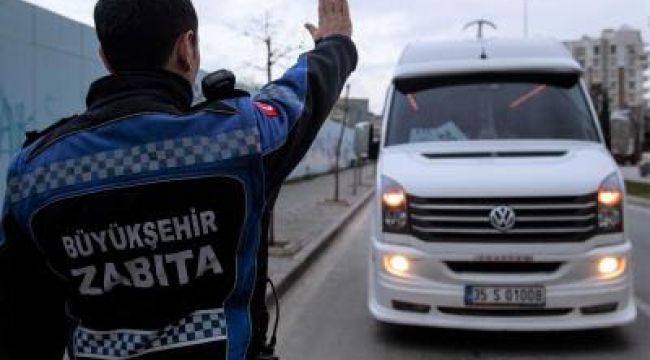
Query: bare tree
[266, 30]
[14, 122]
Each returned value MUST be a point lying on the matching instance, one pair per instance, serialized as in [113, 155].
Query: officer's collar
[166, 86]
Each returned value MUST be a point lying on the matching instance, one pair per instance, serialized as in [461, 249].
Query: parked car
[624, 138]
[644, 166]
[499, 206]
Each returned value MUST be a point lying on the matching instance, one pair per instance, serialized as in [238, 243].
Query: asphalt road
[325, 316]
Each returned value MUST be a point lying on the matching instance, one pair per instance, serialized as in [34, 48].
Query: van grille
[538, 219]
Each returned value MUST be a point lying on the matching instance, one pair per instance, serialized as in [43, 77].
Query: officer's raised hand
[333, 19]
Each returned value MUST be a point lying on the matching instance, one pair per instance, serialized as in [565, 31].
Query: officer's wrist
[332, 37]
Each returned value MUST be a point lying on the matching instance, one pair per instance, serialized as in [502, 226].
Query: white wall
[321, 157]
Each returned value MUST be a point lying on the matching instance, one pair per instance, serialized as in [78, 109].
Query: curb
[638, 201]
[314, 249]
[327, 173]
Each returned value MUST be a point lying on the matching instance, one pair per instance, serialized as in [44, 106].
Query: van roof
[439, 58]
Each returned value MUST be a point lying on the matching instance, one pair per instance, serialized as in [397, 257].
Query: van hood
[498, 168]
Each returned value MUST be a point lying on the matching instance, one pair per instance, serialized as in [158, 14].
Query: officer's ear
[186, 57]
[107, 65]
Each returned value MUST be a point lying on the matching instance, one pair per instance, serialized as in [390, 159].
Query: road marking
[643, 306]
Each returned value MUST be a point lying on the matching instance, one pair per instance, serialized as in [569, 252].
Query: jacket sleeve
[32, 310]
[291, 110]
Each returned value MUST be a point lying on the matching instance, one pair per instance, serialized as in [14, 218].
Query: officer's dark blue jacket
[133, 230]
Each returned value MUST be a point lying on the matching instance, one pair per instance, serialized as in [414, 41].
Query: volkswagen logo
[503, 218]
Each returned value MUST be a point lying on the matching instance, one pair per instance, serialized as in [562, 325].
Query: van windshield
[490, 108]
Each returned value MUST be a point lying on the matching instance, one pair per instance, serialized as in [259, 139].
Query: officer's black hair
[141, 34]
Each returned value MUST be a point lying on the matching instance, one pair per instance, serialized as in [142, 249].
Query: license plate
[505, 296]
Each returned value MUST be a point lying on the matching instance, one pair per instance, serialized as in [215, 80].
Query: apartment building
[616, 62]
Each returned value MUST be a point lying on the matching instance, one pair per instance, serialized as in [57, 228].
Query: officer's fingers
[313, 30]
[326, 9]
[346, 9]
[337, 6]
[321, 9]
[331, 8]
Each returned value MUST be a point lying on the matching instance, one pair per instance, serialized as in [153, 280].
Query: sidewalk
[304, 213]
[632, 173]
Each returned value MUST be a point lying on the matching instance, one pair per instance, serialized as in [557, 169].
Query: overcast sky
[383, 28]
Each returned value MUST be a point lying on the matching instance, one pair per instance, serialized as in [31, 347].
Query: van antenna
[480, 24]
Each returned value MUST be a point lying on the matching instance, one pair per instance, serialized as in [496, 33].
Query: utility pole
[339, 145]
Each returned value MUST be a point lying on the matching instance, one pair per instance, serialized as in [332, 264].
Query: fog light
[398, 265]
[610, 267]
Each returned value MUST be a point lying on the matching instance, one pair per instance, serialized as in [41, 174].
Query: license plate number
[508, 296]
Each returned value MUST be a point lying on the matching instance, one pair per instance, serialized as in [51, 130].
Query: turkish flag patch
[266, 109]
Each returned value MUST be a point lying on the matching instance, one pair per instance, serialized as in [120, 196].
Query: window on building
[632, 85]
[596, 50]
[613, 49]
[631, 50]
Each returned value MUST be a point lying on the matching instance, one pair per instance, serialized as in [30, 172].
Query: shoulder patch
[266, 109]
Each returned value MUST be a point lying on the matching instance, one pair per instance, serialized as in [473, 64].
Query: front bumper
[433, 287]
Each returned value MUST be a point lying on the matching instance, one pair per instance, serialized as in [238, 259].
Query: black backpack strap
[262, 348]
[33, 136]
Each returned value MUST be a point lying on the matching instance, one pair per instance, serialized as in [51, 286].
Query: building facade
[616, 62]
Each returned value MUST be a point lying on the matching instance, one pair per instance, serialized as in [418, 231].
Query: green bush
[639, 189]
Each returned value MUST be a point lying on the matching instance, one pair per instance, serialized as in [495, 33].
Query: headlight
[397, 265]
[394, 206]
[394, 197]
[610, 267]
[610, 205]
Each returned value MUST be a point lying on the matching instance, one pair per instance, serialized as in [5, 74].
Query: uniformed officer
[134, 230]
